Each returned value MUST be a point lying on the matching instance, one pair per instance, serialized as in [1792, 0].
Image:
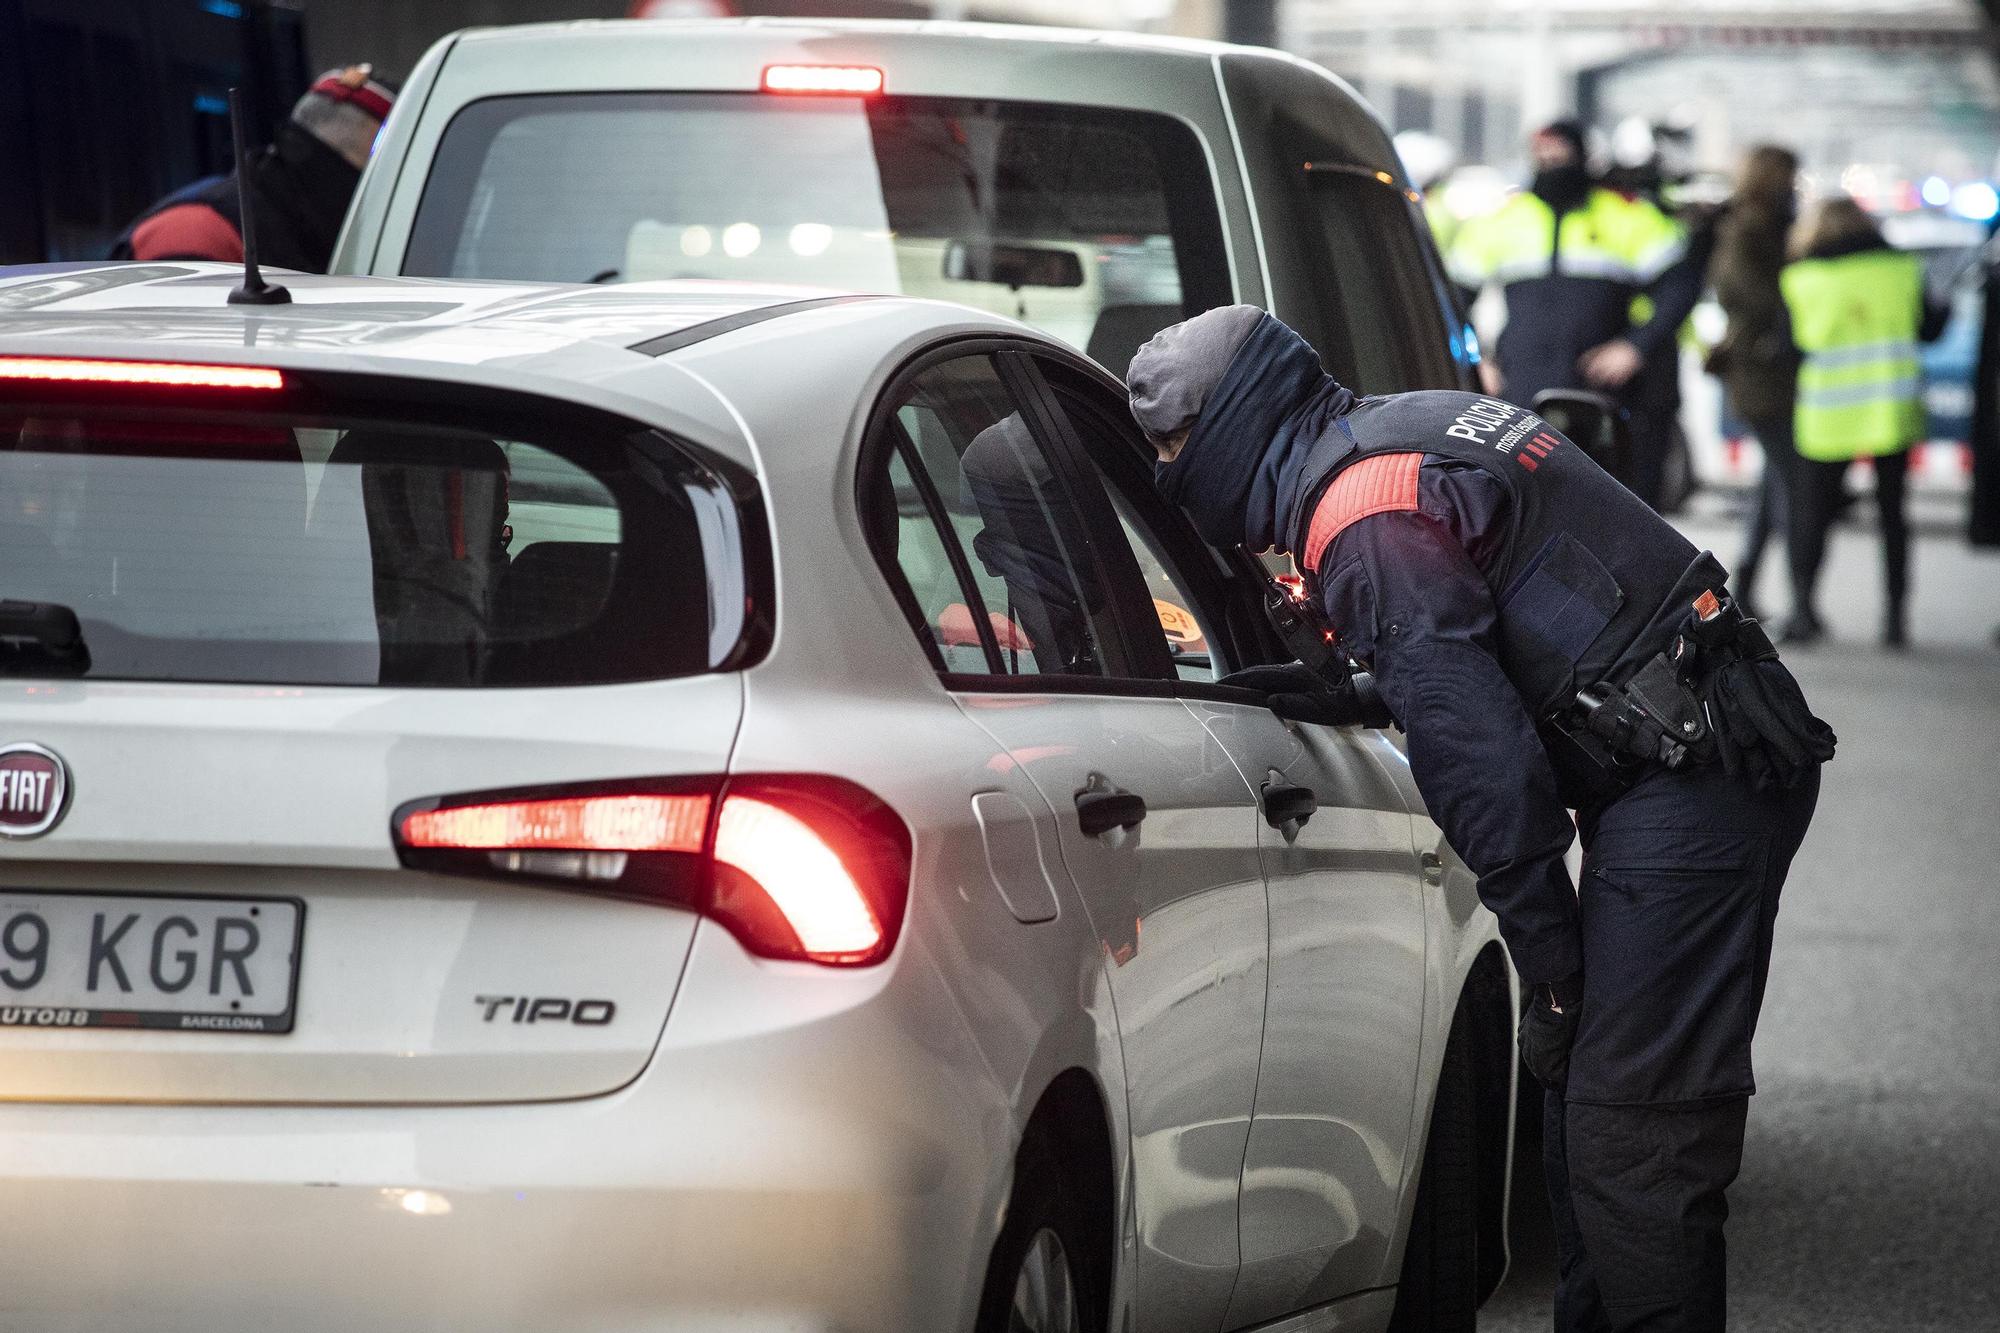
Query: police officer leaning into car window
[1547, 643]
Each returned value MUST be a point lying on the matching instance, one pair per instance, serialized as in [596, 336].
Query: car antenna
[254, 290]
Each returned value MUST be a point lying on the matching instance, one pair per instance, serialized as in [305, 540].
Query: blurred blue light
[1937, 192]
[228, 9]
[1976, 200]
[1471, 346]
[208, 104]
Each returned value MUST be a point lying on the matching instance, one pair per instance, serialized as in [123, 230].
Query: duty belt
[1660, 715]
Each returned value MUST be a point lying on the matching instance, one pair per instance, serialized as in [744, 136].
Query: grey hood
[1172, 376]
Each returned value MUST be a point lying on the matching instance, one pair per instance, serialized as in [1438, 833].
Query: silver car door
[1330, 1132]
[1154, 823]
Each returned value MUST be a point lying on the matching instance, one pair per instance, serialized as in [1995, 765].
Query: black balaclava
[1566, 187]
[1238, 477]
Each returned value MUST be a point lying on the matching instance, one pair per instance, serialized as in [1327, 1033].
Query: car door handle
[1284, 804]
[1098, 812]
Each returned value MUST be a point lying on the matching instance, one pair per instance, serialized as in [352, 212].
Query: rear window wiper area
[41, 639]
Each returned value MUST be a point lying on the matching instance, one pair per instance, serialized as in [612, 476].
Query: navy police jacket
[1478, 562]
[299, 187]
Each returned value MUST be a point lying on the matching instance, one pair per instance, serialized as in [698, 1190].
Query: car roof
[425, 319]
[604, 346]
[796, 29]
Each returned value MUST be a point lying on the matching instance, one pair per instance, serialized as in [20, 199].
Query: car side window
[993, 551]
[1364, 241]
[1188, 620]
[1182, 622]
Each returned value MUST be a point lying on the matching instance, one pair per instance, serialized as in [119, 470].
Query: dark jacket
[1756, 361]
[1511, 571]
[299, 189]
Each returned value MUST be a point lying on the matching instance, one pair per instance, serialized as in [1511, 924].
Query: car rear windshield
[350, 551]
[1098, 226]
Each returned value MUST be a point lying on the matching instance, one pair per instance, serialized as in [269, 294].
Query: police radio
[1310, 637]
[1306, 633]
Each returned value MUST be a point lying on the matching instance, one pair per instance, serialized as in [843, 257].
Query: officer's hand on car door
[1549, 1028]
[1297, 692]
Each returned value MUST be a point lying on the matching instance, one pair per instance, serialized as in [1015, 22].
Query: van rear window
[330, 551]
[1097, 226]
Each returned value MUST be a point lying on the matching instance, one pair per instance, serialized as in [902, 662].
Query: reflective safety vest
[1620, 240]
[1855, 319]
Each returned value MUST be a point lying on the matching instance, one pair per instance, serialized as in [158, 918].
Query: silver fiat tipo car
[684, 806]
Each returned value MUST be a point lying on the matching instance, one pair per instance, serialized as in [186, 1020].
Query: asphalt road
[1870, 1193]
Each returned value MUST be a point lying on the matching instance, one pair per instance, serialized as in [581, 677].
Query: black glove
[1547, 1034]
[1297, 692]
[1763, 729]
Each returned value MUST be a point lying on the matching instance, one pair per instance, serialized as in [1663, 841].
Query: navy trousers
[1681, 877]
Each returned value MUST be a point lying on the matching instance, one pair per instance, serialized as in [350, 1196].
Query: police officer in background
[1547, 642]
[1577, 262]
[299, 187]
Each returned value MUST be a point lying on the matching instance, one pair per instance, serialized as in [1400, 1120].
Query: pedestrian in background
[1573, 258]
[1858, 310]
[1756, 359]
[299, 187]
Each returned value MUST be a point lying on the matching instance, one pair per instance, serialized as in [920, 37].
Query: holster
[1657, 716]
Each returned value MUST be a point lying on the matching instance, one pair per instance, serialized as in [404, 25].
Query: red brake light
[72, 370]
[795, 866]
[850, 80]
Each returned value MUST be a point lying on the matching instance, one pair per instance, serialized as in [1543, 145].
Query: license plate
[99, 960]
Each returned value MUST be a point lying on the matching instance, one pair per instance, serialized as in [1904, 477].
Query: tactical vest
[1855, 318]
[1590, 583]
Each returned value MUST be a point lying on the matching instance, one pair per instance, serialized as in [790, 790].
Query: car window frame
[1130, 648]
[1225, 585]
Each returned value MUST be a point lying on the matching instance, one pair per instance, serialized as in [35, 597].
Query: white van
[1098, 186]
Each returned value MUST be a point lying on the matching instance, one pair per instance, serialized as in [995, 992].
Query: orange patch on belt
[1378, 485]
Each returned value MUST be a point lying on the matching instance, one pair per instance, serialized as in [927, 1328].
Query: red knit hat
[357, 86]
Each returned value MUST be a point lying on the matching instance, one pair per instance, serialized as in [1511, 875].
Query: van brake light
[851, 80]
[76, 370]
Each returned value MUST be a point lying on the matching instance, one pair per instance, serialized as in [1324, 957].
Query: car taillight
[170, 374]
[838, 80]
[796, 866]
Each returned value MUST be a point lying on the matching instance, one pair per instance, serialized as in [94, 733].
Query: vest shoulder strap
[1378, 484]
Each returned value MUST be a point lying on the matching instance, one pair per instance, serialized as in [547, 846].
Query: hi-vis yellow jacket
[1571, 288]
[1855, 319]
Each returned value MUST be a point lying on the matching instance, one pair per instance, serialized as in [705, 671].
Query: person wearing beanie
[1597, 286]
[300, 186]
[1548, 643]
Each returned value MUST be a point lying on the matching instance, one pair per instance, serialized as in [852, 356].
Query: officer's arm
[1409, 601]
[1672, 273]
